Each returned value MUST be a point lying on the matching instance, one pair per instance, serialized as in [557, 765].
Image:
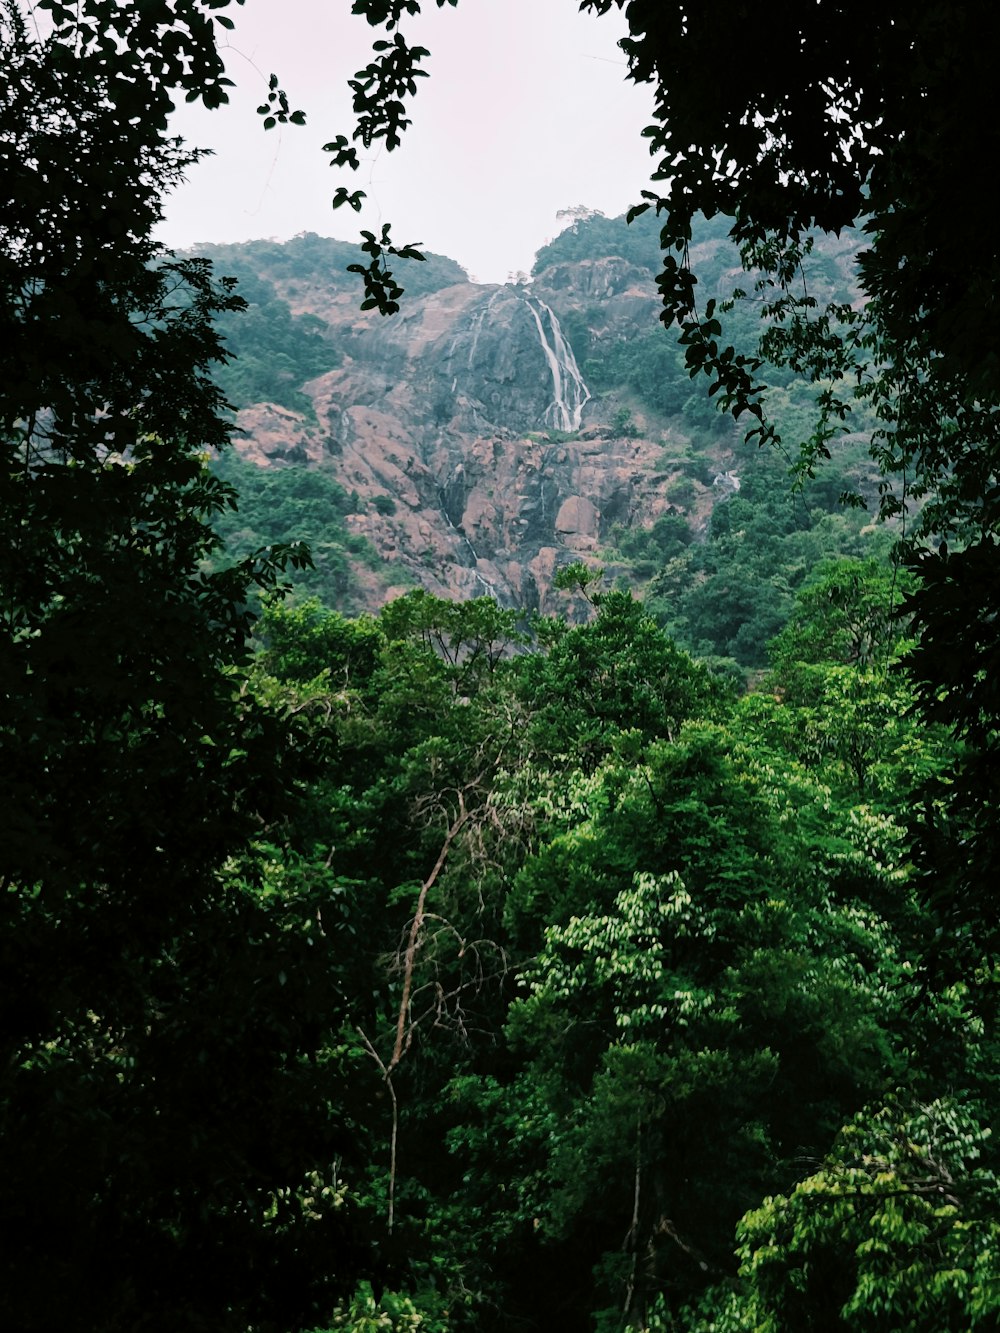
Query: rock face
[480, 460]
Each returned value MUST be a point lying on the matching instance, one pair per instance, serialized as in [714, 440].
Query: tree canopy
[144, 979]
[511, 966]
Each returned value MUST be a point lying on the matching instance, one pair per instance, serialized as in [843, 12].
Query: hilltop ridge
[489, 434]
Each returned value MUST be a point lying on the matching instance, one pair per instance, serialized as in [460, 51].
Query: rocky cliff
[480, 457]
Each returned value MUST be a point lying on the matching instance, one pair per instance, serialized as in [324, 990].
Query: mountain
[488, 435]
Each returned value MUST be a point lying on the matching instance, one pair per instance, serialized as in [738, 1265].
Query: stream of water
[569, 393]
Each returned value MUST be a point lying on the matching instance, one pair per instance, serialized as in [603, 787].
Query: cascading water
[569, 393]
[477, 324]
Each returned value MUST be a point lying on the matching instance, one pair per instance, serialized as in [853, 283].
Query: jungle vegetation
[436, 971]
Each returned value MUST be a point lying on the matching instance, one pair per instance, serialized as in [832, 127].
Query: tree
[861, 120]
[695, 1012]
[880, 121]
[896, 1229]
[617, 673]
[840, 693]
[169, 1142]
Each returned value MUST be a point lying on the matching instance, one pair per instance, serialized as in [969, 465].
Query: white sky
[526, 112]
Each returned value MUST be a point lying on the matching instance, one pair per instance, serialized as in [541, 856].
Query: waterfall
[477, 323]
[569, 393]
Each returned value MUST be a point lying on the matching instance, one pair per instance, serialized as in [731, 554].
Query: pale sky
[526, 112]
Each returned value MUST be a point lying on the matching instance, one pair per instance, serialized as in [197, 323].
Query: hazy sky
[526, 112]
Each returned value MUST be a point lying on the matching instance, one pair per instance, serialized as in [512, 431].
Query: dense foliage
[162, 1114]
[291, 505]
[438, 971]
[630, 952]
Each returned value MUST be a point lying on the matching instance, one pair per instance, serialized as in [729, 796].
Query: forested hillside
[564, 896]
[430, 453]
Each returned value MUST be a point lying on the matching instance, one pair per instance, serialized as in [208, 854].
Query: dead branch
[387, 1079]
[415, 925]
